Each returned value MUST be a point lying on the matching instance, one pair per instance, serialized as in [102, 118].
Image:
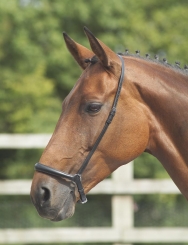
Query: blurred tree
[147, 166]
[32, 48]
[28, 102]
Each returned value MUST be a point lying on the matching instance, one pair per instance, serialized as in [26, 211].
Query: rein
[76, 178]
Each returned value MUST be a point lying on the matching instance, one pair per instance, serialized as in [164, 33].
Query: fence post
[122, 205]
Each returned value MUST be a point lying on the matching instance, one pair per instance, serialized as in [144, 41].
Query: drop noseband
[76, 178]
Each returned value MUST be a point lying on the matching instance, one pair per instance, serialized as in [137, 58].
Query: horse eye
[93, 107]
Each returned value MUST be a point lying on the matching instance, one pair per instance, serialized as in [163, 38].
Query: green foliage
[26, 100]
[33, 54]
[147, 166]
[18, 164]
[160, 210]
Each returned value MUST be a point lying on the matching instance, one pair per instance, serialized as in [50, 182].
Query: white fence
[122, 186]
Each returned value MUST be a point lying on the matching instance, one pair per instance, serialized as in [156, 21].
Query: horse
[121, 106]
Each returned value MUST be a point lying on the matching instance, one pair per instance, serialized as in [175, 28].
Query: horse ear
[79, 52]
[104, 53]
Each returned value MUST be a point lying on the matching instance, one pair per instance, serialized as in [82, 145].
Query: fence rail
[23, 141]
[133, 187]
[122, 186]
[95, 235]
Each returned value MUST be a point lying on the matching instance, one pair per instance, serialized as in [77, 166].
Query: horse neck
[164, 92]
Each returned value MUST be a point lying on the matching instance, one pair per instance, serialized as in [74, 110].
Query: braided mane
[156, 59]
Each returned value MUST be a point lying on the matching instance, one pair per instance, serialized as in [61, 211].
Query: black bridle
[76, 178]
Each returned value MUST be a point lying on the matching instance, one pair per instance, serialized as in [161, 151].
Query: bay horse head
[82, 151]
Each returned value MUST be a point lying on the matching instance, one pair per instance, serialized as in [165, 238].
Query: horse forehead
[92, 81]
[93, 84]
[94, 73]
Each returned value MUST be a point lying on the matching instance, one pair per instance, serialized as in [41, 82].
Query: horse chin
[64, 213]
[58, 214]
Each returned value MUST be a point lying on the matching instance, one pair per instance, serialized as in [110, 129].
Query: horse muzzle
[53, 199]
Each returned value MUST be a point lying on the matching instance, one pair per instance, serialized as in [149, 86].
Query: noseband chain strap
[76, 178]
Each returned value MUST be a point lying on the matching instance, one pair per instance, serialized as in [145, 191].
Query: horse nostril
[45, 194]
